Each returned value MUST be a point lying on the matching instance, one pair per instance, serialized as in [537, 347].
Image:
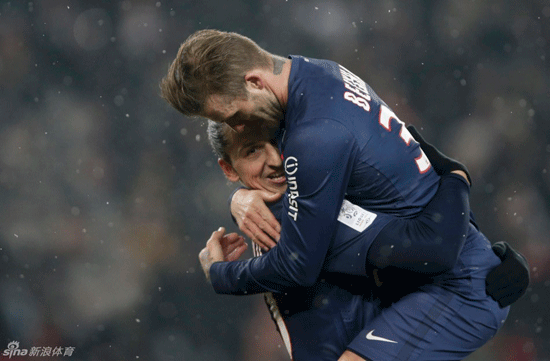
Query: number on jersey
[359, 95]
[385, 117]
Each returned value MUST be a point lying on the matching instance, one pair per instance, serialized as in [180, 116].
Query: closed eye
[252, 150]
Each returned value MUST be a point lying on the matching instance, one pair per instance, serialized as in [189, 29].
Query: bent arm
[310, 208]
[431, 242]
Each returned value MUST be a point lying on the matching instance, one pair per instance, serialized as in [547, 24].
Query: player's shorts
[446, 320]
[432, 324]
[317, 323]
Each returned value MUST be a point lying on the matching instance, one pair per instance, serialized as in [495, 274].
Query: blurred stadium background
[108, 194]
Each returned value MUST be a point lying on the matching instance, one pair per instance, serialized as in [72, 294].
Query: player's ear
[228, 170]
[254, 80]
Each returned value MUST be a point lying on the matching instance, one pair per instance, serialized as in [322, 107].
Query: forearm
[308, 219]
[431, 242]
[275, 271]
[234, 278]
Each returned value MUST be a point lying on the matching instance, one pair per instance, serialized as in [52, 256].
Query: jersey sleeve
[431, 242]
[318, 162]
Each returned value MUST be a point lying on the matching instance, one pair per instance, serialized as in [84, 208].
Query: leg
[350, 356]
[320, 321]
[431, 324]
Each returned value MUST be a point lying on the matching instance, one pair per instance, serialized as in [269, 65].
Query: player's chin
[278, 185]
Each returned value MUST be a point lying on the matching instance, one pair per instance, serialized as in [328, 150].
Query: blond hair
[211, 62]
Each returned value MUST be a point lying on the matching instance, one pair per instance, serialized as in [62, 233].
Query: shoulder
[320, 138]
[320, 130]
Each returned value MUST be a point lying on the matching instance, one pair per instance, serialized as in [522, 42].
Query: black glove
[507, 282]
[441, 163]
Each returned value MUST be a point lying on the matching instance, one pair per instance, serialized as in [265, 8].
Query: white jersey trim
[274, 309]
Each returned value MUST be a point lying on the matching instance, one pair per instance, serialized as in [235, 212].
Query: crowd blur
[108, 194]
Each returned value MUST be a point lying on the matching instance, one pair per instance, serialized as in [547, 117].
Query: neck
[282, 94]
[277, 80]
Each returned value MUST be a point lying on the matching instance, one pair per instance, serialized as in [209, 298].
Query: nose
[273, 157]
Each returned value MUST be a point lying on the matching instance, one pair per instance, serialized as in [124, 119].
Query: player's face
[258, 108]
[255, 161]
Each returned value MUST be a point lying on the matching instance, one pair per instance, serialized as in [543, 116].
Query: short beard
[270, 112]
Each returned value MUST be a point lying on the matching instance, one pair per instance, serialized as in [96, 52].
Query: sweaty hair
[218, 136]
[211, 62]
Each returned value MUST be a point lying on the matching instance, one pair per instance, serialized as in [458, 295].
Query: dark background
[108, 194]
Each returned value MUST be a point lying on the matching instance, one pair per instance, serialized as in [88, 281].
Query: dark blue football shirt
[339, 141]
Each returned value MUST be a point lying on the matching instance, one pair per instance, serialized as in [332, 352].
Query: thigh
[319, 322]
[431, 324]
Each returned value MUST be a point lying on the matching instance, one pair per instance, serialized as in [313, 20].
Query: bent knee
[350, 356]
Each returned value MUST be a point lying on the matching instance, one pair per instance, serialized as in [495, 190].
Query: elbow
[308, 282]
[305, 279]
[450, 253]
[449, 262]
[433, 262]
[446, 253]
[303, 276]
[442, 264]
[301, 272]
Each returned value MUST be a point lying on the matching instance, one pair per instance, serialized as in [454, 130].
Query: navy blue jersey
[339, 140]
[428, 244]
[443, 317]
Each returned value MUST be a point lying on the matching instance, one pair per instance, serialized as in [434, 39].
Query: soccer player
[338, 140]
[249, 157]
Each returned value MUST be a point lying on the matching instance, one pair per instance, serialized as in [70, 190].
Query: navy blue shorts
[318, 323]
[431, 324]
[446, 320]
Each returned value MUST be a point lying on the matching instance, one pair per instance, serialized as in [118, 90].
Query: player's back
[389, 173]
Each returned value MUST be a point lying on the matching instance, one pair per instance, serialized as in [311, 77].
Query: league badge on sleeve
[355, 217]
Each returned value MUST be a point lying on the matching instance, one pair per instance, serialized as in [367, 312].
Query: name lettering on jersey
[359, 94]
[291, 167]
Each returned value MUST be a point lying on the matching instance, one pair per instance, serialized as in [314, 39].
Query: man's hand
[254, 218]
[220, 248]
[463, 175]
[440, 162]
[508, 282]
